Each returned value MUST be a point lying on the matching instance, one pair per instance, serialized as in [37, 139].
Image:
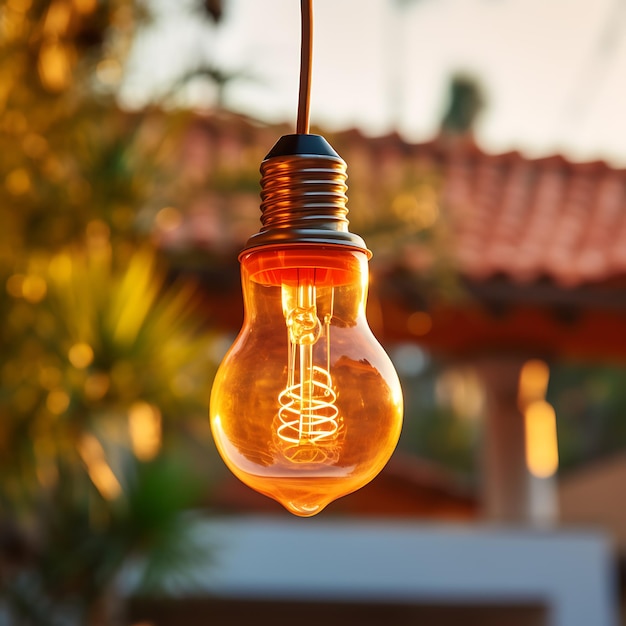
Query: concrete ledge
[569, 573]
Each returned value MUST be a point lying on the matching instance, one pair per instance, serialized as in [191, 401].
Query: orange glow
[144, 425]
[54, 66]
[85, 6]
[306, 406]
[419, 323]
[21, 6]
[60, 268]
[15, 285]
[542, 452]
[34, 288]
[18, 182]
[168, 219]
[533, 382]
[278, 266]
[57, 18]
[80, 355]
[101, 474]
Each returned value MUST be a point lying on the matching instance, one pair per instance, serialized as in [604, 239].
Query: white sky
[553, 71]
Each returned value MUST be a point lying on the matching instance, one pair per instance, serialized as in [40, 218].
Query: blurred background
[486, 170]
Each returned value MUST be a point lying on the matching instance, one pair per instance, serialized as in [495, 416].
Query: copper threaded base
[303, 199]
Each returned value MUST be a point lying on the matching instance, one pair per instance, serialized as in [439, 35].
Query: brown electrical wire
[306, 56]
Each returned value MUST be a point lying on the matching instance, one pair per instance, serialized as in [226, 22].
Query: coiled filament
[308, 422]
[312, 416]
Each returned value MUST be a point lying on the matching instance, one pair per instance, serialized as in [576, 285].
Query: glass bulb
[306, 406]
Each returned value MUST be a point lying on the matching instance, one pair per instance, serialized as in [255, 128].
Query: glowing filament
[311, 418]
[308, 419]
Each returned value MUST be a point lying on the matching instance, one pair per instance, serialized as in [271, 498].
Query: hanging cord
[306, 54]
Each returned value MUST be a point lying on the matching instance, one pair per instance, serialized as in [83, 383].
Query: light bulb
[306, 406]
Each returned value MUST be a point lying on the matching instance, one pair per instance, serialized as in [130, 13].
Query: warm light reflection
[533, 382]
[542, 450]
[144, 425]
[60, 268]
[85, 6]
[18, 182]
[57, 18]
[542, 453]
[101, 474]
[34, 288]
[80, 355]
[20, 6]
[54, 66]
[57, 402]
[168, 219]
[419, 323]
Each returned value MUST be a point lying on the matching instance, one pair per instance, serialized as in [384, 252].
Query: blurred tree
[214, 8]
[205, 66]
[101, 354]
[590, 402]
[464, 105]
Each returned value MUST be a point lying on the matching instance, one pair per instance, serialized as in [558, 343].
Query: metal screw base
[303, 196]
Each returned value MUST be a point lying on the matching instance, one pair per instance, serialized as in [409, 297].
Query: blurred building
[499, 263]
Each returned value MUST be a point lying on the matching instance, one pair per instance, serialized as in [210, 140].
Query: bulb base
[303, 196]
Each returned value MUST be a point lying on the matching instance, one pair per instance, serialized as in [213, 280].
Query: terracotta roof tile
[529, 219]
[525, 219]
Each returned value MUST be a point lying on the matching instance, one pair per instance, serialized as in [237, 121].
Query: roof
[508, 215]
[535, 247]
[529, 219]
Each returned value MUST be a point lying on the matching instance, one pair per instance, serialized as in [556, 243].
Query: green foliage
[443, 417]
[85, 542]
[590, 402]
[104, 358]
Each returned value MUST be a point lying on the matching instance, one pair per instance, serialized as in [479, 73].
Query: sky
[553, 72]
